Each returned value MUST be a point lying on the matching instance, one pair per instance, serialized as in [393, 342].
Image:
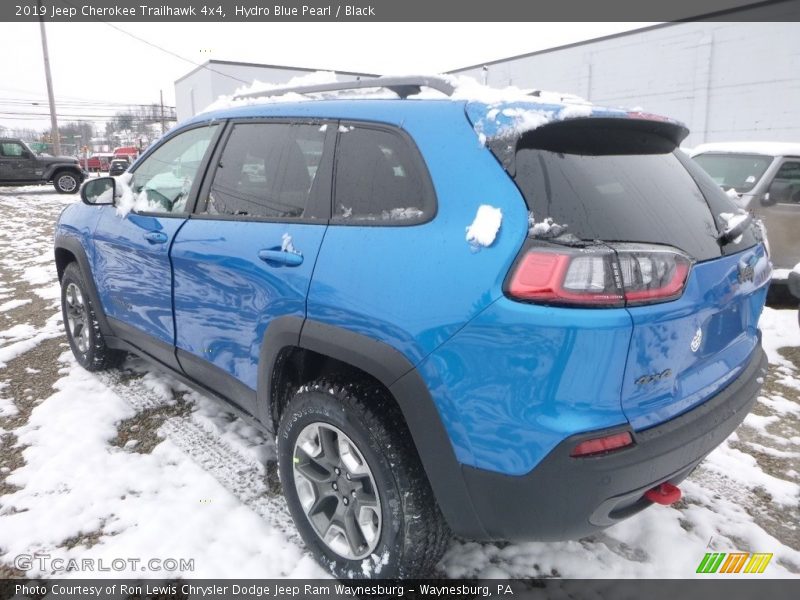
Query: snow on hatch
[547, 228]
[732, 221]
[484, 228]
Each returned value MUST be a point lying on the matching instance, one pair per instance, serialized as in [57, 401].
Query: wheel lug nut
[334, 486]
[346, 502]
[348, 476]
[337, 471]
[353, 493]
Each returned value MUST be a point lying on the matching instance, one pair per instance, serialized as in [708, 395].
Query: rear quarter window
[380, 179]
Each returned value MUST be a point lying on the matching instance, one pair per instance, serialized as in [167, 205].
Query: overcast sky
[99, 62]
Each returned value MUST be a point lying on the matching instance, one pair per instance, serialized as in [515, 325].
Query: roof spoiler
[593, 136]
[402, 86]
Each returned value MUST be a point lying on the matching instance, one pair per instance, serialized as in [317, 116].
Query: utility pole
[163, 127]
[53, 120]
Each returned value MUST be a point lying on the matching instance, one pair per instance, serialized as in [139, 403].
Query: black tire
[67, 182]
[412, 534]
[80, 322]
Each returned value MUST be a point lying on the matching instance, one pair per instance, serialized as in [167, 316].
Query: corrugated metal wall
[726, 81]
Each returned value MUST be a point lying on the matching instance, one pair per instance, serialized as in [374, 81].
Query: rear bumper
[569, 498]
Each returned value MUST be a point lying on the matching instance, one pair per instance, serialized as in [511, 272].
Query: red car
[97, 162]
[129, 152]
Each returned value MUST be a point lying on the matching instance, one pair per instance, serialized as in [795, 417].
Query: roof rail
[402, 86]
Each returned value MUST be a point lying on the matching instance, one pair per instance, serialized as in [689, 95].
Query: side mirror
[778, 192]
[794, 284]
[99, 192]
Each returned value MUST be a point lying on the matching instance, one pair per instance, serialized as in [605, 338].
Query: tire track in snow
[242, 476]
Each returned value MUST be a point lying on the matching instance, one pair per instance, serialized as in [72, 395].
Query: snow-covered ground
[131, 465]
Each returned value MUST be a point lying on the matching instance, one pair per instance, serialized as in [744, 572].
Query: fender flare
[73, 245]
[54, 168]
[403, 381]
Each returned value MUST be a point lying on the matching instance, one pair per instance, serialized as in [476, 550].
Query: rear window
[616, 186]
[738, 171]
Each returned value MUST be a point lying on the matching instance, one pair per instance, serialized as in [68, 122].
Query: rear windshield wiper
[736, 225]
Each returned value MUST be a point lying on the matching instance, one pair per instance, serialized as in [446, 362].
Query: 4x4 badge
[746, 273]
[697, 340]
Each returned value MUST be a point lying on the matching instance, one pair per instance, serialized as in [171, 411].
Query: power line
[157, 47]
[4, 114]
[65, 100]
[97, 105]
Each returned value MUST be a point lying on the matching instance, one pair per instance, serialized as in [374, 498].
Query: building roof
[765, 148]
[209, 63]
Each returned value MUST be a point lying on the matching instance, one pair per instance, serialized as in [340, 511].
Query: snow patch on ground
[12, 304]
[19, 344]
[135, 498]
[779, 328]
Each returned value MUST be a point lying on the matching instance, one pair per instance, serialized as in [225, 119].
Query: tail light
[600, 275]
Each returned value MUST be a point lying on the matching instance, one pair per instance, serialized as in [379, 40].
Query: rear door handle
[155, 237]
[281, 257]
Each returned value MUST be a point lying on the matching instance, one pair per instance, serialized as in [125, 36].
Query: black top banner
[398, 10]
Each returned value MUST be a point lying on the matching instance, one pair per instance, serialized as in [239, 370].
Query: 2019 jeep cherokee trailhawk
[509, 320]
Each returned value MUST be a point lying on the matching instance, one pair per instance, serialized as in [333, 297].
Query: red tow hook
[665, 494]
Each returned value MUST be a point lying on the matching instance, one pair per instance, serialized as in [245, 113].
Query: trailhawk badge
[697, 340]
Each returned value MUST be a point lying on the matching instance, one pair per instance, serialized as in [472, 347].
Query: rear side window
[267, 170]
[618, 187]
[379, 178]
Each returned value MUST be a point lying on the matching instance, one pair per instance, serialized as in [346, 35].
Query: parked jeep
[19, 165]
[508, 320]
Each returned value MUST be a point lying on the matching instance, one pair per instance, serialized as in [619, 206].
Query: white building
[726, 81]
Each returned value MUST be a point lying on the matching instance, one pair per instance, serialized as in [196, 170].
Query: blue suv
[505, 320]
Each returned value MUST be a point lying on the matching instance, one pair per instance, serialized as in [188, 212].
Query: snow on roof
[466, 89]
[494, 112]
[766, 148]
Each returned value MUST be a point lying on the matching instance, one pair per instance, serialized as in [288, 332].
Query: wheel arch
[327, 346]
[68, 250]
[53, 170]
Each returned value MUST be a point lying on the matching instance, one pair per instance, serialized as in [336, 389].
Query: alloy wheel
[337, 490]
[77, 317]
[67, 183]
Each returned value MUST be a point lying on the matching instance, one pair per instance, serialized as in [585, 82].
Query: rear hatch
[618, 217]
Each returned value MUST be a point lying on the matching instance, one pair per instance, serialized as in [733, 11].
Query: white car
[765, 179]
[794, 285]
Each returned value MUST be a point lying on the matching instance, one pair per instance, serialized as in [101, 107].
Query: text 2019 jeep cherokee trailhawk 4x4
[558, 368]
